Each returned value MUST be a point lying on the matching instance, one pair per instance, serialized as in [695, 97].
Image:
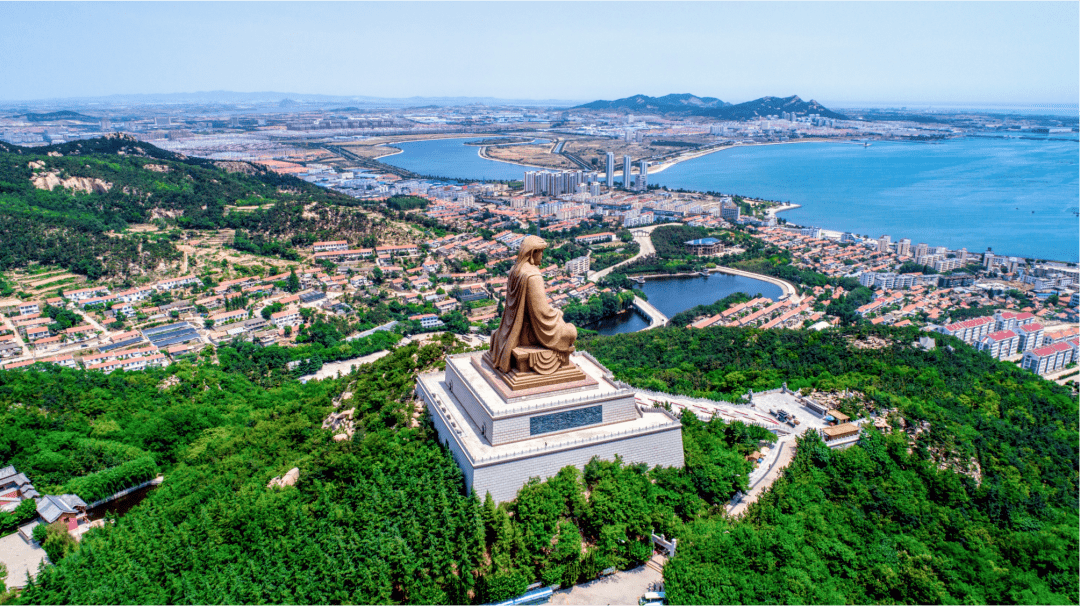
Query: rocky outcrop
[237, 167]
[289, 479]
[342, 424]
[51, 180]
[157, 168]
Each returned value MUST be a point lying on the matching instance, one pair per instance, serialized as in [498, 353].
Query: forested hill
[691, 105]
[771, 106]
[385, 517]
[969, 497]
[57, 203]
[681, 103]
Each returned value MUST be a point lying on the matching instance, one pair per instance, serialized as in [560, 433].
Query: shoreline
[482, 152]
[788, 290]
[830, 233]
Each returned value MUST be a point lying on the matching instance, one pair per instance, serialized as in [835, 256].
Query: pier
[656, 319]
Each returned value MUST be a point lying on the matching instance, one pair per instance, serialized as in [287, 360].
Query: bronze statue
[532, 336]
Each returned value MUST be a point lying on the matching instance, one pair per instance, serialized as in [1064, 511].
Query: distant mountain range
[286, 100]
[692, 105]
[684, 103]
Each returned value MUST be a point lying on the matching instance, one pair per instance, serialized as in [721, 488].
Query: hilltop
[771, 106]
[71, 204]
[691, 105]
[680, 103]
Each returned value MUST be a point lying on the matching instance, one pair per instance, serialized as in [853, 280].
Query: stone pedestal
[502, 436]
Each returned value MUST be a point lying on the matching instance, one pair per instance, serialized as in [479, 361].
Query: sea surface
[673, 295]
[1019, 196]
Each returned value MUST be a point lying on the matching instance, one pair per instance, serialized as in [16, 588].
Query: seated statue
[532, 336]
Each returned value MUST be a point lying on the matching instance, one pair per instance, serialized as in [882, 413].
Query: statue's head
[532, 249]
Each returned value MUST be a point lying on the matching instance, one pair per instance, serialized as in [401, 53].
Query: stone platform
[502, 439]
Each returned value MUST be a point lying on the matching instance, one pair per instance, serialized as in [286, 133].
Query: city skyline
[940, 53]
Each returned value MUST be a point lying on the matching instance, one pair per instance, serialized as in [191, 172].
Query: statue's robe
[528, 318]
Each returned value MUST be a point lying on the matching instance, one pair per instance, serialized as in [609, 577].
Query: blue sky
[965, 52]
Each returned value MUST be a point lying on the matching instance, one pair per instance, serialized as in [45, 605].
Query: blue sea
[1018, 196]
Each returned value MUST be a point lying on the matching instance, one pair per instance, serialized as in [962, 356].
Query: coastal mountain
[668, 104]
[691, 105]
[771, 106]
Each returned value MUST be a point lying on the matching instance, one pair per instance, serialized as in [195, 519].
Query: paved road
[762, 484]
[646, 248]
[624, 587]
[785, 286]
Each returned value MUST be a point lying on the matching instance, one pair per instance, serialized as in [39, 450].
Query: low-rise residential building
[329, 245]
[132, 364]
[175, 283]
[286, 317]
[427, 320]
[228, 316]
[135, 295]
[86, 293]
[587, 239]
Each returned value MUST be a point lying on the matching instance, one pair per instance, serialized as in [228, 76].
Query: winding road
[643, 236]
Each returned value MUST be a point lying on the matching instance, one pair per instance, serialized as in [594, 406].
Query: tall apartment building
[903, 249]
[921, 249]
[626, 172]
[883, 244]
[610, 170]
[643, 175]
[578, 266]
[554, 183]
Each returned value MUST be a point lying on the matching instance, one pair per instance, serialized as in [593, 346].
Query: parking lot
[20, 558]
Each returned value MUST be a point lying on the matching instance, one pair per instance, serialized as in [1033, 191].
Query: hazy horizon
[966, 53]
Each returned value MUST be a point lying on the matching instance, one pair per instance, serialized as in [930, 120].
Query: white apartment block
[229, 316]
[578, 266]
[1012, 320]
[947, 264]
[135, 294]
[174, 283]
[287, 317]
[1042, 360]
[969, 331]
[1000, 344]
[1030, 336]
